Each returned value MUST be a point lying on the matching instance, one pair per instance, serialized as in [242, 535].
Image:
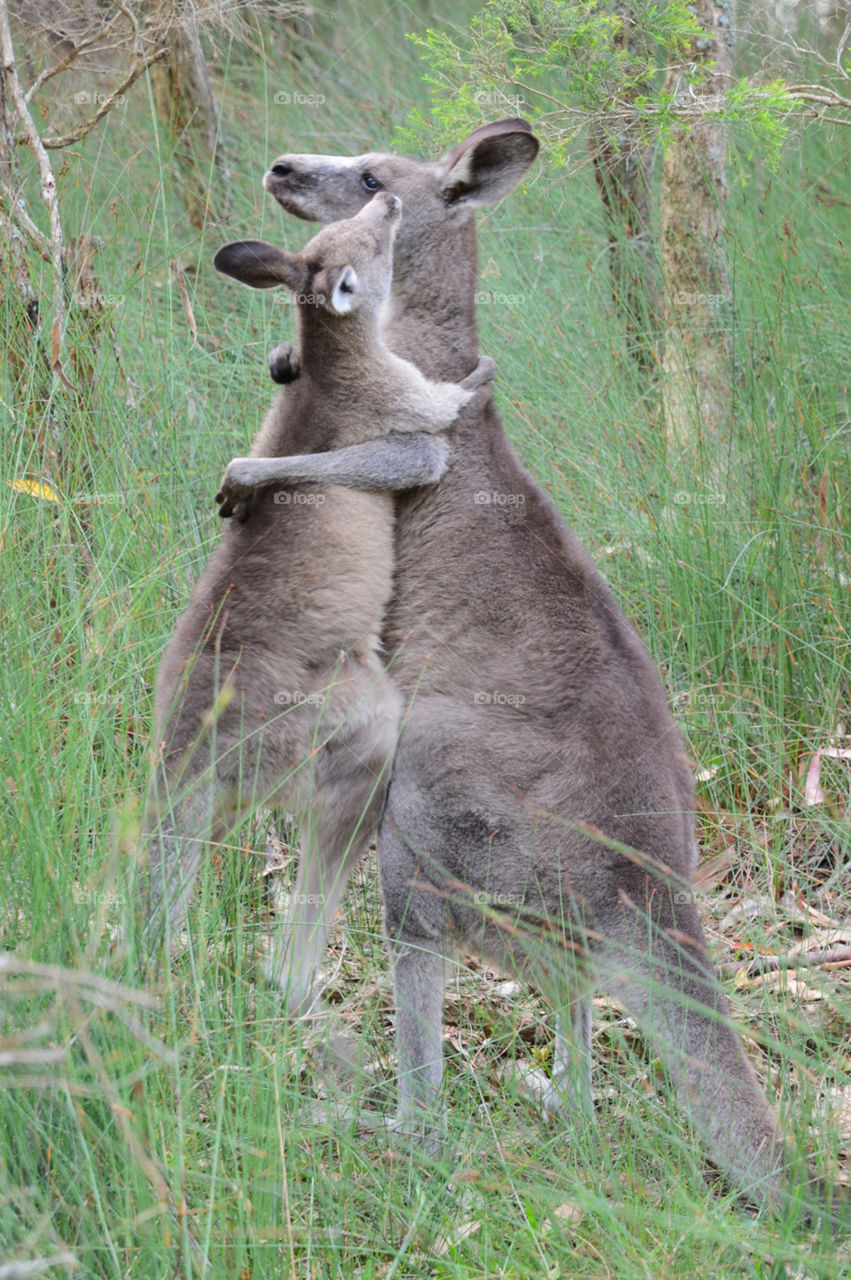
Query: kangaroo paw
[484, 372]
[284, 363]
[238, 483]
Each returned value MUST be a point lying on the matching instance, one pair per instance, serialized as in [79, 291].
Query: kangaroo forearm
[400, 460]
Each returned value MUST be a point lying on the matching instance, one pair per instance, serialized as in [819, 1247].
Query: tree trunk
[28, 360]
[185, 100]
[623, 165]
[697, 375]
[622, 168]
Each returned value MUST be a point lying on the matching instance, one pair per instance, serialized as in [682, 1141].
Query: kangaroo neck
[431, 316]
[336, 345]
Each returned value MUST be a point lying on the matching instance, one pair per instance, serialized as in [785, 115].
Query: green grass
[185, 1140]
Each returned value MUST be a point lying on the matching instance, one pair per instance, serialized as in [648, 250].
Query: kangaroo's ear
[261, 265]
[489, 163]
[339, 289]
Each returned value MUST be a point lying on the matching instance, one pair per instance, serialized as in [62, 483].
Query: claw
[225, 505]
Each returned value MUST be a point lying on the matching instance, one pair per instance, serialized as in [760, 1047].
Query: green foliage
[570, 64]
[757, 116]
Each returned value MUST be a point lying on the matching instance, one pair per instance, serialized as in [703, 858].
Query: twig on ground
[835, 957]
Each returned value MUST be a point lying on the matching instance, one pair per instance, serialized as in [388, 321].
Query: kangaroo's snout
[389, 206]
[380, 217]
[291, 183]
[383, 204]
[325, 188]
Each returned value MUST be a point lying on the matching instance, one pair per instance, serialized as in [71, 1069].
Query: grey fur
[406, 460]
[539, 764]
[271, 688]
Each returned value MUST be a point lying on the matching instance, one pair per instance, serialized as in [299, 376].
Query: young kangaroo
[539, 770]
[271, 688]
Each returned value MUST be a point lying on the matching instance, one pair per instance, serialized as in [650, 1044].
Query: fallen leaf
[802, 910]
[184, 298]
[781, 980]
[508, 990]
[821, 940]
[568, 1212]
[813, 793]
[748, 909]
[712, 871]
[445, 1243]
[36, 489]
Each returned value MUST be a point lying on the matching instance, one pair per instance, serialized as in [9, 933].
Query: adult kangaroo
[540, 785]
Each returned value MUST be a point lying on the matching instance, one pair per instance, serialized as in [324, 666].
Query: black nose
[281, 169]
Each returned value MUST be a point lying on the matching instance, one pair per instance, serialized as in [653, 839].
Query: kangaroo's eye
[371, 183]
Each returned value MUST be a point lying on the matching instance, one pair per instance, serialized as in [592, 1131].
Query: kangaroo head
[346, 266]
[482, 169]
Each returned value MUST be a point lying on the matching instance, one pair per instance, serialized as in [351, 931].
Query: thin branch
[48, 190]
[840, 49]
[63, 65]
[828, 97]
[21, 220]
[131, 18]
[829, 957]
[76, 135]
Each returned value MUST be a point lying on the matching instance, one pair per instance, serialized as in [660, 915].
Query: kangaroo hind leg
[338, 820]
